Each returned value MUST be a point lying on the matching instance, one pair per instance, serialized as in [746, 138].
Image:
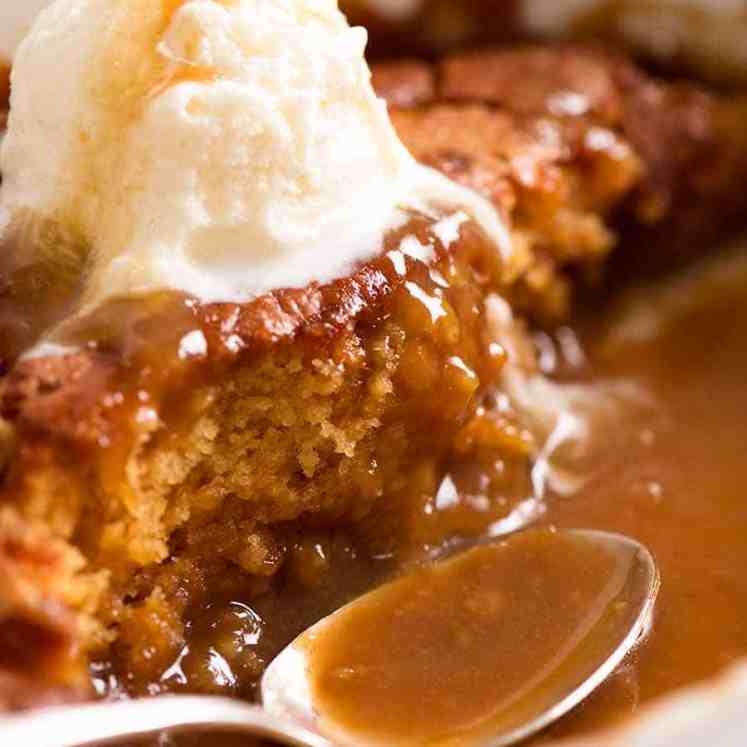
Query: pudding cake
[627, 154]
[195, 421]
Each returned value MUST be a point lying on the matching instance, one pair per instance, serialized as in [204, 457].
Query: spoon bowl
[524, 654]
[318, 691]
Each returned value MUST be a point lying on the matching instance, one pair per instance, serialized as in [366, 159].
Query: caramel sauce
[474, 646]
[671, 473]
[668, 470]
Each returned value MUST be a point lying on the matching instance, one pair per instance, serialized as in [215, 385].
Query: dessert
[188, 438]
[230, 298]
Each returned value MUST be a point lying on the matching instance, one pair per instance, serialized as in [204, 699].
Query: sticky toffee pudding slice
[165, 456]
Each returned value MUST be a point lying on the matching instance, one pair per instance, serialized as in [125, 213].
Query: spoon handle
[108, 723]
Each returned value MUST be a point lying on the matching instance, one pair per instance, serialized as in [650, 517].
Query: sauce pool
[666, 464]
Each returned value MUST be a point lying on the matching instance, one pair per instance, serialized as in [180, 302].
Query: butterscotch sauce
[671, 473]
[668, 470]
[475, 646]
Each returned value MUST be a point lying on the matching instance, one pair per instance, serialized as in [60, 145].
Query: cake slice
[168, 453]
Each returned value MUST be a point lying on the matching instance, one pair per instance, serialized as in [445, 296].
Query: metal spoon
[289, 714]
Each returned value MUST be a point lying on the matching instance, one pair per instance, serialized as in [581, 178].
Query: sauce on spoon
[478, 645]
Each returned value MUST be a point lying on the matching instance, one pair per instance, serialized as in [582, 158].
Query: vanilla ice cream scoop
[218, 147]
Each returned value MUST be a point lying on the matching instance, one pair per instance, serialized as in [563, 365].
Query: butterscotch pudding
[234, 305]
[247, 333]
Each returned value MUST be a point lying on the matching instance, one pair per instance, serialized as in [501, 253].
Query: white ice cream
[219, 147]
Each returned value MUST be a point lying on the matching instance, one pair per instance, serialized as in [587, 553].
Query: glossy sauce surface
[667, 465]
[480, 644]
[671, 471]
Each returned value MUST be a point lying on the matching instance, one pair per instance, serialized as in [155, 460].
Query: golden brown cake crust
[60, 396]
[584, 99]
